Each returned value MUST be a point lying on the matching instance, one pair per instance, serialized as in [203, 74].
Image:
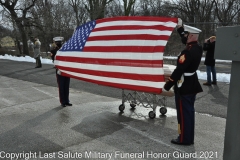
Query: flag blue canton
[79, 38]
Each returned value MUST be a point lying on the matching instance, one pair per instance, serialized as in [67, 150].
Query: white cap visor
[58, 39]
[191, 29]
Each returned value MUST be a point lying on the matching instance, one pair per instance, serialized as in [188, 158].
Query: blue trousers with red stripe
[185, 117]
[63, 86]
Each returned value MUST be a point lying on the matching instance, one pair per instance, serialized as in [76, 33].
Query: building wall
[7, 42]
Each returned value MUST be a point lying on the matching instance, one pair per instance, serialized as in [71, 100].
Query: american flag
[121, 52]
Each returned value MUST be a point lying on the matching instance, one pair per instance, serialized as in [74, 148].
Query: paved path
[212, 101]
[32, 123]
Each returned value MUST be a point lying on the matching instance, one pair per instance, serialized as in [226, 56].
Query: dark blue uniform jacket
[187, 62]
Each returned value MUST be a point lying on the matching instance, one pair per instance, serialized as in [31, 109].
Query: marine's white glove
[58, 72]
[179, 22]
[171, 90]
[164, 90]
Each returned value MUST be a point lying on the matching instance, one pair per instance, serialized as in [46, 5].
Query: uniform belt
[180, 82]
[188, 74]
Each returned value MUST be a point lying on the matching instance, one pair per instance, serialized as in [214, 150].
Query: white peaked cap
[58, 39]
[191, 29]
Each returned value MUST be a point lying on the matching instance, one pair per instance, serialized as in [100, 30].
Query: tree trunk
[19, 46]
[24, 37]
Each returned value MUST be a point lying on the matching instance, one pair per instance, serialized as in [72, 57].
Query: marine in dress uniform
[63, 86]
[186, 85]
[55, 46]
[63, 82]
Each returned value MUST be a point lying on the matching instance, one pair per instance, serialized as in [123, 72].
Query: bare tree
[156, 8]
[193, 11]
[4, 32]
[128, 5]
[121, 8]
[79, 10]
[18, 14]
[226, 10]
[238, 18]
[1, 15]
[41, 22]
[96, 8]
[144, 8]
[114, 8]
[51, 18]
[197, 13]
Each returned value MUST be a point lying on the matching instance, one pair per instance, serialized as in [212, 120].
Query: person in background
[37, 52]
[186, 85]
[209, 46]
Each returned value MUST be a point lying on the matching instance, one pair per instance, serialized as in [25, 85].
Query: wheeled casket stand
[149, 100]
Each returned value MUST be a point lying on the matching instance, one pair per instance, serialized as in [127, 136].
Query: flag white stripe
[118, 80]
[129, 32]
[132, 22]
[110, 68]
[113, 55]
[126, 43]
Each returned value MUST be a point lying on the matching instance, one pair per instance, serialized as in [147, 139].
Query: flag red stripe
[128, 37]
[113, 62]
[146, 49]
[117, 85]
[135, 18]
[142, 77]
[133, 27]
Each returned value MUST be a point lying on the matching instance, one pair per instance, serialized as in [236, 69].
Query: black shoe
[38, 67]
[68, 104]
[214, 83]
[176, 141]
[63, 105]
[207, 84]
